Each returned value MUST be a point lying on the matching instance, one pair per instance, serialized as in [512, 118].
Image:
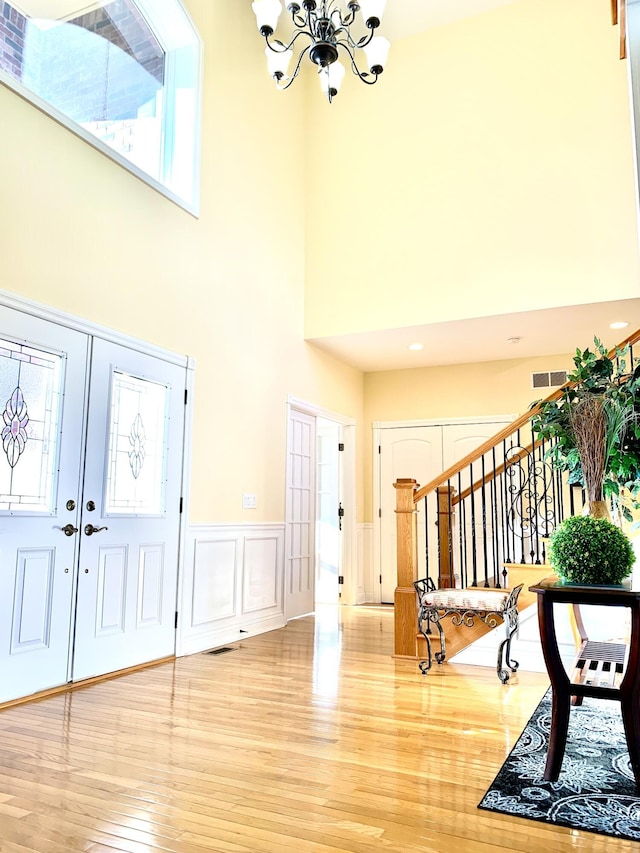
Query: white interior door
[42, 389]
[127, 583]
[405, 452]
[300, 515]
[328, 525]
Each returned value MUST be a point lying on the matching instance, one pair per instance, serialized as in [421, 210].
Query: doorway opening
[329, 512]
[320, 510]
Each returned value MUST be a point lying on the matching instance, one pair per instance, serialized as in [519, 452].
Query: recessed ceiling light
[416, 347]
[620, 324]
[513, 340]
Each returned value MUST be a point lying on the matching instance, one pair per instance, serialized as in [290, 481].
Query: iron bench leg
[511, 623]
[429, 615]
[424, 618]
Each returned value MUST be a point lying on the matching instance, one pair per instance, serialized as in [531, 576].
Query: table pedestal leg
[632, 731]
[560, 710]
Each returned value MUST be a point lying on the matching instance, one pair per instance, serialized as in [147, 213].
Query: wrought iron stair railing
[492, 509]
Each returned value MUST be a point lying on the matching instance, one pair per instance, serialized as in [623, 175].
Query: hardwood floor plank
[309, 739]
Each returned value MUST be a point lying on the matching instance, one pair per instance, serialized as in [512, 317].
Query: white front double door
[90, 480]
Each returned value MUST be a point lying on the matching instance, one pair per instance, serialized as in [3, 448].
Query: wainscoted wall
[367, 591]
[232, 586]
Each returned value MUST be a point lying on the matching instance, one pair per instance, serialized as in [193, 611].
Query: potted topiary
[587, 550]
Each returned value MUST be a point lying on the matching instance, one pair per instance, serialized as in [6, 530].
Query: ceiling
[553, 331]
[541, 333]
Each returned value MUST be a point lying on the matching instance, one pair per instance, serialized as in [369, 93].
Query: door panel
[33, 600]
[150, 585]
[405, 452]
[474, 527]
[129, 544]
[42, 388]
[458, 440]
[300, 549]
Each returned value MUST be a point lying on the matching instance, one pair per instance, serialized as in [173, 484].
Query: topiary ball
[590, 550]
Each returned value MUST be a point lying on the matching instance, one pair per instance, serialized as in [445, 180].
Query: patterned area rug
[595, 790]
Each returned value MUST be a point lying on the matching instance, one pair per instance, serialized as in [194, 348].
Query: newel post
[405, 603]
[445, 513]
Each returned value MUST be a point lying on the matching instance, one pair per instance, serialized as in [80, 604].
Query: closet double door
[90, 481]
[422, 452]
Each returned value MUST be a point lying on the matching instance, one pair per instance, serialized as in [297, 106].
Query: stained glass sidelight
[138, 426]
[30, 396]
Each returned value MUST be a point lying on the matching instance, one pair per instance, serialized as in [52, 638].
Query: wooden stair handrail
[619, 16]
[489, 444]
[506, 431]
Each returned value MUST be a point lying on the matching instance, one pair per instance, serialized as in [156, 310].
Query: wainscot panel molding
[368, 591]
[232, 586]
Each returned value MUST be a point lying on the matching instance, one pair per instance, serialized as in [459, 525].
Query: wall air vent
[549, 379]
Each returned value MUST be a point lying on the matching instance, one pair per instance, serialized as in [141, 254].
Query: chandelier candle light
[327, 24]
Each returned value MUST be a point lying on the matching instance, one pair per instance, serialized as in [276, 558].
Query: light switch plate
[249, 501]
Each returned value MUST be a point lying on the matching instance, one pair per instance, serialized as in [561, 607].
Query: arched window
[123, 75]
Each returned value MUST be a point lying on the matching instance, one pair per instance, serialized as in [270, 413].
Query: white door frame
[377, 427]
[88, 327]
[352, 573]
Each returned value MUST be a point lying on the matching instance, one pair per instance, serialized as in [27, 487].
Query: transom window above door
[123, 75]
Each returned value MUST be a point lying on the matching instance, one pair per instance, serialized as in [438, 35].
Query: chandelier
[326, 24]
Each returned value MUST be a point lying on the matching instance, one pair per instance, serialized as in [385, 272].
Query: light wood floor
[309, 739]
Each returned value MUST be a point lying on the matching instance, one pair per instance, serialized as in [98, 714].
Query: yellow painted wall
[83, 235]
[490, 170]
[455, 391]
[495, 161]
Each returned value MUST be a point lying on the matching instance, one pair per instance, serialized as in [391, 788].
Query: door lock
[68, 529]
[340, 515]
[71, 505]
[89, 529]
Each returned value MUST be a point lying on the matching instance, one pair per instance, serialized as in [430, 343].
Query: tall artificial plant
[594, 427]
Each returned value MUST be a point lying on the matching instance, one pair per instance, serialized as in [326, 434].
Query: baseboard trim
[86, 682]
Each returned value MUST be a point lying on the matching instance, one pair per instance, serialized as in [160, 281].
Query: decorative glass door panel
[42, 386]
[130, 511]
[138, 429]
[31, 382]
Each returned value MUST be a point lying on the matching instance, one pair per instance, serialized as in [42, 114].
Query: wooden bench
[465, 606]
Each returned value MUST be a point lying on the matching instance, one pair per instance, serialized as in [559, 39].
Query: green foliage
[590, 551]
[596, 375]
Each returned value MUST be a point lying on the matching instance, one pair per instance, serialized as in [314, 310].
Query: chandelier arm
[295, 71]
[345, 21]
[348, 19]
[284, 47]
[351, 42]
[299, 20]
[354, 67]
[311, 20]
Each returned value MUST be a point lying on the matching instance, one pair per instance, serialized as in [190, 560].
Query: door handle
[89, 529]
[68, 529]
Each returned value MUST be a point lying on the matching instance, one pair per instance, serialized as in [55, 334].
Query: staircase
[493, 509]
